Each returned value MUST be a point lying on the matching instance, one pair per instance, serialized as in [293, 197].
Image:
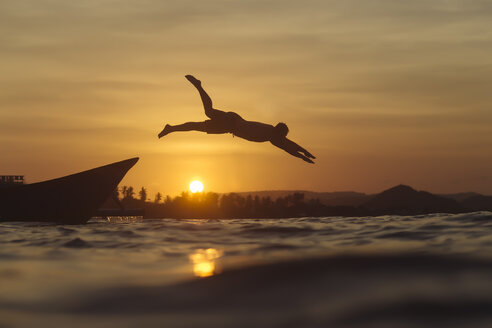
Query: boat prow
[72, 199]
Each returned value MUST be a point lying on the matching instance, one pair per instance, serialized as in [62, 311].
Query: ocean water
[389, 271]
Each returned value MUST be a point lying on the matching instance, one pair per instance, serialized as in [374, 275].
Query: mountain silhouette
[478, 203]
[404, 200]
[459, 197]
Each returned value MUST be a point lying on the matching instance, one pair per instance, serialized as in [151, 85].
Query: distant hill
[404, 200]
[459, 197]
[478, 203]
[399, 200]
[337, 198]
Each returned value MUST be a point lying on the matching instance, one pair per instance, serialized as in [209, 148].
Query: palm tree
[143, 194]
[124, 190]
[158, 198]
[129, 193]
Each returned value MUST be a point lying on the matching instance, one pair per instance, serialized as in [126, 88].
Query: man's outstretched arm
[294, 149]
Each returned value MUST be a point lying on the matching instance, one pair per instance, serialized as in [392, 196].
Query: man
[230, 122]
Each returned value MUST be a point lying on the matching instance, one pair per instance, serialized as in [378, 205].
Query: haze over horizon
[382, 92]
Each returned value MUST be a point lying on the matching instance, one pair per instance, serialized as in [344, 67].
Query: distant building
[11, 179]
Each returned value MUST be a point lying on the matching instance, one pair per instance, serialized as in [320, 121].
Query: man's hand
[308, 154]
[305, 152]
[306, 159]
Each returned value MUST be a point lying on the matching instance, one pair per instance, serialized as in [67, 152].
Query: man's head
[281, 130]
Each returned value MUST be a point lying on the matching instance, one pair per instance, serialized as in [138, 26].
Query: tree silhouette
[209, 205]
[158, 198]
[129, 193]
[124, 190]
[143, 194]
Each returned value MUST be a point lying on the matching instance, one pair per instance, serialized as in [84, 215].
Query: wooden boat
[72, 199]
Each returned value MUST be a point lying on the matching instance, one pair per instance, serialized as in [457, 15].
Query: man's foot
[193, 80]
[165, 131]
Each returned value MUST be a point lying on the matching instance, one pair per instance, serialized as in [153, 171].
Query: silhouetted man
[230, 122]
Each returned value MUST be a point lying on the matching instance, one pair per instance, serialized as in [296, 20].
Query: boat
[72, 199]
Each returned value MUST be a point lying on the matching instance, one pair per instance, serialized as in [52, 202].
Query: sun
[196, 186]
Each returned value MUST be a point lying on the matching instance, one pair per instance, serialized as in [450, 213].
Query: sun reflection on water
[203, 261]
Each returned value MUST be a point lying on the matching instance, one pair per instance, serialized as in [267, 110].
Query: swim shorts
[223, 122]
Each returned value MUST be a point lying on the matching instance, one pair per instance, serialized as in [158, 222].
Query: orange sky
[382, 92]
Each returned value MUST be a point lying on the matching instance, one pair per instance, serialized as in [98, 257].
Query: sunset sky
[382, 92]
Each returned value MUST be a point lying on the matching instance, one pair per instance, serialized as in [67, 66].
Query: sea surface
[389, 271]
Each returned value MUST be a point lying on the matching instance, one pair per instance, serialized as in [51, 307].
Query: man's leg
[188, 126]
[206, 100]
